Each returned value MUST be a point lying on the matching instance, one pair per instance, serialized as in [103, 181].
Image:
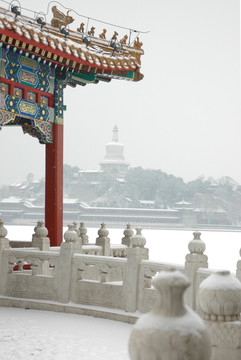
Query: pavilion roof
[70, 51]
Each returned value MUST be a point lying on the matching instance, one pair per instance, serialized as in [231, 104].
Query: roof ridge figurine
[60, 19]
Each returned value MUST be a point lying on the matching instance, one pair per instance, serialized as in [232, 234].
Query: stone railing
[121, 277]
[78, 272]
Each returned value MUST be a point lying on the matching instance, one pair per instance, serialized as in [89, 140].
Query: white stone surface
[65, 274]
[219, 297]
[219, 300]
[170, 331]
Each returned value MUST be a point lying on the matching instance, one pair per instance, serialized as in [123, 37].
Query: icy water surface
[222, 247]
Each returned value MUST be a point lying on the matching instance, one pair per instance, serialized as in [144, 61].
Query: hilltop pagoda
[114, 161]
[37, 61]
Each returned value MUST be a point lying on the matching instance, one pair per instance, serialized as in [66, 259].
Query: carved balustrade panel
[31, 261]
[99, 269]
[31, 274]
[119, 251]
[148, 270]
[98, 281]
[92, 250]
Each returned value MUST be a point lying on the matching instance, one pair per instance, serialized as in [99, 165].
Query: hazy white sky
[182, 118]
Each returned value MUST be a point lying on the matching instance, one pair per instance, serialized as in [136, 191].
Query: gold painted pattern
[28, 77]
[6, 117]
[29, 63]
[27, 108]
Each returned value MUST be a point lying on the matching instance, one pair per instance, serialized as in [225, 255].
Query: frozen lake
[222, 247]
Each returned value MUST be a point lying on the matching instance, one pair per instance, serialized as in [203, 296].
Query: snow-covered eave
[70, 53]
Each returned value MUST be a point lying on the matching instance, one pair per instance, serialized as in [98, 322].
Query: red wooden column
[54, 187]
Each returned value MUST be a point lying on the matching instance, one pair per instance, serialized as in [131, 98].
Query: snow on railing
[80, 273]
[122, 281]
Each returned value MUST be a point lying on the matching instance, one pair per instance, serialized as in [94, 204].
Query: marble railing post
[135, 253]
[103, 240]
[4, 244]
[83, 233]
[67, 249]
[171, 330]
[195, 260]
[238, 271]
[128, 232]
[219, 301]
[40, 240]
[79, 238]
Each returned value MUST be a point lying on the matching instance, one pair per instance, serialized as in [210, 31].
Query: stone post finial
[196, 246]
[219, 300]
[103, 232]
[76, 228]
[83, 233]
[40, 230]
[3, 230]
[40, 237]
[79, 238]
[103, 240]
[128, 232]
[4, 242]
[171, 328]
[70, 234]
[138, 240]
[219, 297]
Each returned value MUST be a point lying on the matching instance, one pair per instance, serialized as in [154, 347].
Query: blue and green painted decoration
[35, 117]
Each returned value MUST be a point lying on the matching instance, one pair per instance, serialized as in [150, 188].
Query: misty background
[182, 118]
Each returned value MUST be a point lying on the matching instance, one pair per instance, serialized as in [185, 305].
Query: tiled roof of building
[75, 50]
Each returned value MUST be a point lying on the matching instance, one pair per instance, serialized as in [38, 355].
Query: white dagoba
[114, 161]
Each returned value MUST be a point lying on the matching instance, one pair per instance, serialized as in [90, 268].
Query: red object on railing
[25, 267]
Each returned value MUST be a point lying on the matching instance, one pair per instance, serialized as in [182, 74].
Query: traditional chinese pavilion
[37, 61]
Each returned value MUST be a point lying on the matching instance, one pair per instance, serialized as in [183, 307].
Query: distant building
[114, 161]
[187, 213]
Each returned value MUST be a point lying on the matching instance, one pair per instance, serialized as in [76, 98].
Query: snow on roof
[11, 199]
[183, 203]
[90, 171]
[98, 54]
[147, 202]
[16, 185]
[70, 201]
[120, 180]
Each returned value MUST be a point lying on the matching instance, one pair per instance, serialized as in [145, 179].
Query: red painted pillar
[54, 187]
